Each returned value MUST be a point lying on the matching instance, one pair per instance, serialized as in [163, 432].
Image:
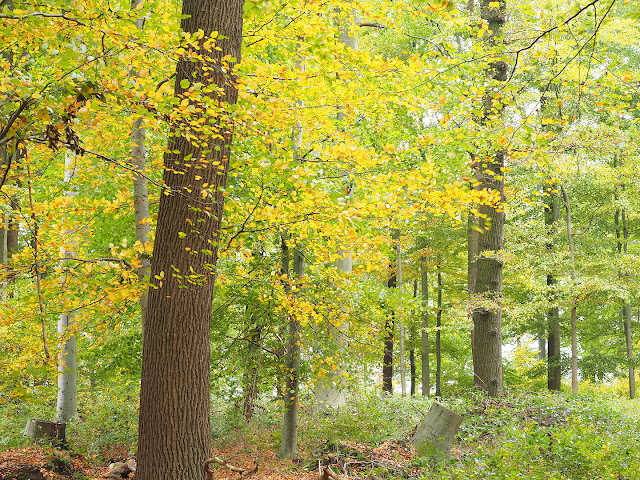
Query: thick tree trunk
[67, 370]
[486, 301]
[331, 391]
[438, 345]
[174, 431]
[424, 344]
[289, 445]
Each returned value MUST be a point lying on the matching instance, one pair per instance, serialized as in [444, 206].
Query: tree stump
[47, 432]
[436, 432]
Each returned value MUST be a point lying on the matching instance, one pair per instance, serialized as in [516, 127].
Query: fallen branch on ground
[244, 472]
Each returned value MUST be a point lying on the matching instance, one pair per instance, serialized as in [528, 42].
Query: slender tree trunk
[254, 360]
[438, 327]
[542, 347]
[4, 256]
[554, 372]
[387, 360]
[486, 302]
[289, 445]
[412, 347]
[67, 370]
[174, 430]
[403, 377]
[574, 321]
[629, 343]
[424, 344]
[622, 244]
[141, 197]
[627, 318]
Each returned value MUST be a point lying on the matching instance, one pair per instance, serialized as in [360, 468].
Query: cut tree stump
[436, 432]
[47, 432]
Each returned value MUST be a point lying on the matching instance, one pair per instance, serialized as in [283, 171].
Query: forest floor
[532, 436]
[40, 463]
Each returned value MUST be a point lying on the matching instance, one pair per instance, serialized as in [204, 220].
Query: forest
[272, 239]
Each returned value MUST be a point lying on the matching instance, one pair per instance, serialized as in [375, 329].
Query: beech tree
[174, 429]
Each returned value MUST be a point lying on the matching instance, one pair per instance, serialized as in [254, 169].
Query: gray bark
[289, 445]
[436, 432]
[554, 371]
[424, 344]
[574, 306]
[438, 346]
[67, 370]
[140, 197]
[403, 375]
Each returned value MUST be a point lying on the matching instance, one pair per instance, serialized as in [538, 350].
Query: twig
[45, 15]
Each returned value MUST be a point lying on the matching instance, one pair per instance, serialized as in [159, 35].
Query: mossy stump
[436, 432]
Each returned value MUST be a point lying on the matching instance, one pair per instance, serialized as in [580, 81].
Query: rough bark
[174, 430]
[424, 340]
[486, 301]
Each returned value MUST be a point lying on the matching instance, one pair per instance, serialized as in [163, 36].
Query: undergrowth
[532, 436]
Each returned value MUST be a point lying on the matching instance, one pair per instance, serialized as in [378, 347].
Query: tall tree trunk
[67, 370]
[4, 255]
[254, 360]
[331, 392]
[387, 359]
[412, 347]
[424, 335]
[629, 343]
[554, 371]
[627, 318]
[489, 174]
[403, 376]
[140, 197]
[438, 327]
[622, 244]
[289, 445]
[174, 437]
[574, 300]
